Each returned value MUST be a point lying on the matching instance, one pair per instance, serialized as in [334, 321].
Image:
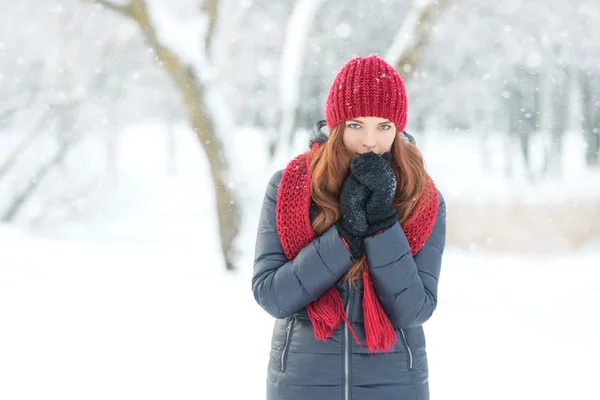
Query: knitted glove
[352, 225]
[376, 173]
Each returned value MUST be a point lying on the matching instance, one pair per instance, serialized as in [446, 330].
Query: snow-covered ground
[92, 320]
[133, 303]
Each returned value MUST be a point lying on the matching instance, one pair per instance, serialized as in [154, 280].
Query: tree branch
[124, 10]
[24, 145]
[210, 7]
[414, 35]
[42, 172]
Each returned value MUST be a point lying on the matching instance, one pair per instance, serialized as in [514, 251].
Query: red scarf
[295, 232]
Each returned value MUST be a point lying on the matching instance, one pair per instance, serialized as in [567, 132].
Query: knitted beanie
[367, 87]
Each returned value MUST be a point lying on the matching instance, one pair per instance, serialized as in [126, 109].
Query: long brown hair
[330, 167]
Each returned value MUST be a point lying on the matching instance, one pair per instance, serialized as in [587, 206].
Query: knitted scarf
[295, 232]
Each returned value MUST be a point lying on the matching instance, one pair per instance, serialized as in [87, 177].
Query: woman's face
[365, 134]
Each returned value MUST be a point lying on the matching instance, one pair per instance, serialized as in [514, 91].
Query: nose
[369, 141]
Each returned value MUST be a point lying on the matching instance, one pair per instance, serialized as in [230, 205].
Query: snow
[100, 320]
[134, 302]
[456, 159]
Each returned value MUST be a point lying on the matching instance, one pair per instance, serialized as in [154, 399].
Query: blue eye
[383, 127]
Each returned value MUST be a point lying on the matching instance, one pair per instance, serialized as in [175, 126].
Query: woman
[349, 250]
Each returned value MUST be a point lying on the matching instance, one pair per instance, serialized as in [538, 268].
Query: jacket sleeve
[283, 287]
[407, 286]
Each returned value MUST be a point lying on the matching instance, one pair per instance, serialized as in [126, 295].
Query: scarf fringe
[327, 313]
[380, 333]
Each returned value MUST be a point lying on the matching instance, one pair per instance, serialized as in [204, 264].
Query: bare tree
[292, 58]
[67, 139]
[523, 112]
[557, 92]
[62, 109]
[193, 91]
[589, 83]
[41, 109]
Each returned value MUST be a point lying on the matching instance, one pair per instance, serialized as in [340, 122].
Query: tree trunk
[589, 82]
[558, 111]
[292, 58]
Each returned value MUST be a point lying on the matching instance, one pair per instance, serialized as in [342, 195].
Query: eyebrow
[361, 122]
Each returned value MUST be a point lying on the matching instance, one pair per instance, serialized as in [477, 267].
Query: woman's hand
[353, 225]
[376, 173]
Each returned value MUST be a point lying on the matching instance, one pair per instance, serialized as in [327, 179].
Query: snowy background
[112, 274]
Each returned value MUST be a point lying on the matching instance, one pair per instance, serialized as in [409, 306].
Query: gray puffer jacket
[300, 367]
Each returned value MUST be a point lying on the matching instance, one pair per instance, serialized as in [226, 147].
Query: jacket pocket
[286, 344]
[408, 350]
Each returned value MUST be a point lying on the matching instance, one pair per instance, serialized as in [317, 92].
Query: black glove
[376, 173]
[353, 224]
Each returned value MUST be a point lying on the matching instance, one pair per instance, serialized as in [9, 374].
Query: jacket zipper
[287, 343]
[346, 348]
[410, 357]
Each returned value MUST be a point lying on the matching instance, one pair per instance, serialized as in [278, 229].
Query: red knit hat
[367, 87]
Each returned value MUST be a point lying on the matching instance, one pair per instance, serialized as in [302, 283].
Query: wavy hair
[330, 167]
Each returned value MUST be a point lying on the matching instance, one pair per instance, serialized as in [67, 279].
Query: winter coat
[300, 367]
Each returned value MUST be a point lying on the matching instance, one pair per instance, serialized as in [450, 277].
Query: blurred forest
[75, 73]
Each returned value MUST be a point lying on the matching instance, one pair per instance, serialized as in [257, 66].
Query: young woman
[349, 250]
